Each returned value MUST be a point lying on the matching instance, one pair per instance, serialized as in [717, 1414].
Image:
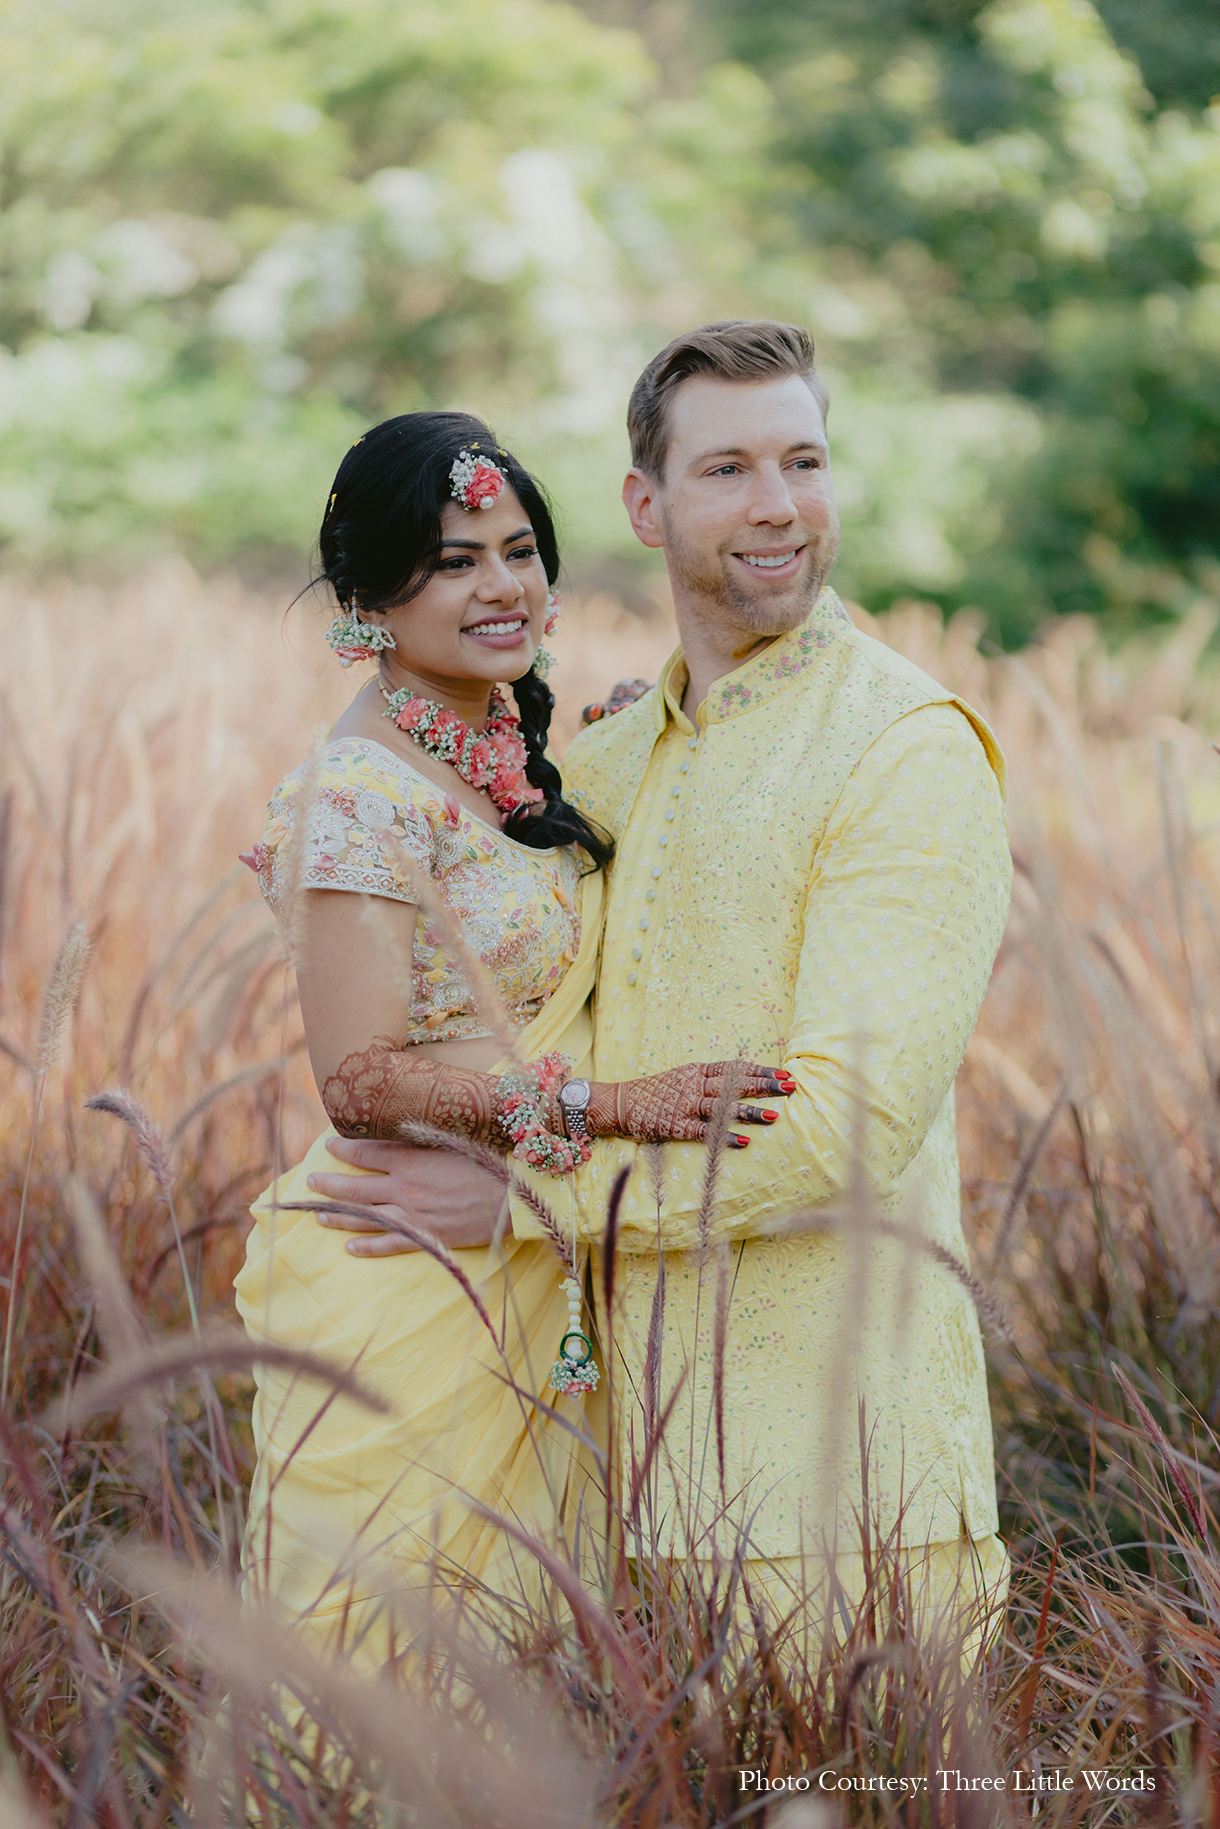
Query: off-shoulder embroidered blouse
[377, 827]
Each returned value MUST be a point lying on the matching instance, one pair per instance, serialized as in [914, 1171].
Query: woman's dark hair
[380, 541]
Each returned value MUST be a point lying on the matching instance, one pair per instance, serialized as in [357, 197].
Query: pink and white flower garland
[522, 1094]
[493, 758]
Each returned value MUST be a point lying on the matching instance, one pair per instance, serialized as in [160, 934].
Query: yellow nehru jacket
[815, 874]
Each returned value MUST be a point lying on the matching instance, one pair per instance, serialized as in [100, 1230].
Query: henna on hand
[373, 1093]
[677, 1107]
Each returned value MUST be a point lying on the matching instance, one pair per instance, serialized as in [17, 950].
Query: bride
[442, 901]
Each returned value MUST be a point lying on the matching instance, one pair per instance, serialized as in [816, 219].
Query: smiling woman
[459, 588]
[443, 900]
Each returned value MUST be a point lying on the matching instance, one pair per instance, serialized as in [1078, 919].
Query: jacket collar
[760, 679]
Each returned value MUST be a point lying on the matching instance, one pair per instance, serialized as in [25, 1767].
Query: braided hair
[380, 540]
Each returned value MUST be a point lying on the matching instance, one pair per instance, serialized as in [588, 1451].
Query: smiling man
[811, 870]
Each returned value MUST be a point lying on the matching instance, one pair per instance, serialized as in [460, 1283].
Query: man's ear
[639, 499]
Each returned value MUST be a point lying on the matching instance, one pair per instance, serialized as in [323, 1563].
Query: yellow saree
[353, 1512]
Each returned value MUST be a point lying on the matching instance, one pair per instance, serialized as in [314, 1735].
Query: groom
[811, 869]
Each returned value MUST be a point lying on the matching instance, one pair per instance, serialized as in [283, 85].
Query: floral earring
[350, 639]
[543, 659]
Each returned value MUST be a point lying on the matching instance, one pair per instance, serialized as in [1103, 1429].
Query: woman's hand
[678, 1106]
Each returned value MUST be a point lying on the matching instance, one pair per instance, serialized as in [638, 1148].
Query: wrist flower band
[523, 1095]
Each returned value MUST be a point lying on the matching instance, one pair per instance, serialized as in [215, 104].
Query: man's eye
[807, 463]
[727, 470]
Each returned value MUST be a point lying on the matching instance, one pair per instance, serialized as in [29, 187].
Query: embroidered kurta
[815, 874]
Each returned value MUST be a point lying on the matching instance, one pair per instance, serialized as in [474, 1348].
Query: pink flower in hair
[476, 482]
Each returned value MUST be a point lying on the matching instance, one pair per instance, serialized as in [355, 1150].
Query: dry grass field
[140, 733]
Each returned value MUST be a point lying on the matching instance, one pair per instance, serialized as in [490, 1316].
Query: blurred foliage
[233, 233]
[1021, 205]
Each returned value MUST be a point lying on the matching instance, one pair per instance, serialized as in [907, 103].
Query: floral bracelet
[522, 1096]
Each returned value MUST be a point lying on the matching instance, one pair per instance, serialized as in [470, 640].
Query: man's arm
[905, 913]
[456, 1200]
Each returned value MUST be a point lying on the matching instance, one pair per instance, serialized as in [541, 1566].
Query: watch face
[576, 1094]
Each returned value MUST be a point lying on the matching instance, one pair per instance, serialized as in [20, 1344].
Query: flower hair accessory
[475, 481]
[352, 640]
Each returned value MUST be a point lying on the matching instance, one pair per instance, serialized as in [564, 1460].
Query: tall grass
[139, 738]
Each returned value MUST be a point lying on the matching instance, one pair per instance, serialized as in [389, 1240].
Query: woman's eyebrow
[478, 546]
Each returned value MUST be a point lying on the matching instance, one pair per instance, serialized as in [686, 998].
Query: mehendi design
[677, 1107]
[374, 1092]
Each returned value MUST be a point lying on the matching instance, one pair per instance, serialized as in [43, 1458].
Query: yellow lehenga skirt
[359, 1516]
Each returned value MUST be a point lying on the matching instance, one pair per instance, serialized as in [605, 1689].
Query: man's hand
[432, 1190]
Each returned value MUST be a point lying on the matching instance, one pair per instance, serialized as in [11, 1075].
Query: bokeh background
[235, 232]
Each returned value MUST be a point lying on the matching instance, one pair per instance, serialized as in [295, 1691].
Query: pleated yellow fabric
[353, 1512]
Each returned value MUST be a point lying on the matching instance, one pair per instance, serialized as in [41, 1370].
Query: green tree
[233, 233]
[1019, 207]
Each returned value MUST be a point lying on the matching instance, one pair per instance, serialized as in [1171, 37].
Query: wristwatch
[574, 1096]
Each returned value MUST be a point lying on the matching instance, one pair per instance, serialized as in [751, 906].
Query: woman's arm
[354, 957]
[354, 980]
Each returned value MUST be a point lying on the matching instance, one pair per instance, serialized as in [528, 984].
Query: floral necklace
[493, 758]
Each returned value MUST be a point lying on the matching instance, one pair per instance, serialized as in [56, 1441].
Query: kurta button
[643, 924]
[692, 742]
[631, 978]
[651, 896]
[637, 952]
[670, 811]
[655, 871]
[664, 840]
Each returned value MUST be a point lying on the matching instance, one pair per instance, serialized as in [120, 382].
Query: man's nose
[770, 499]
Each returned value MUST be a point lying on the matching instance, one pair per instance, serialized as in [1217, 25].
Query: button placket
[655, 871]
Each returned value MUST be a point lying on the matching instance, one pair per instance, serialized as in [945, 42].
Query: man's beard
[713, 581]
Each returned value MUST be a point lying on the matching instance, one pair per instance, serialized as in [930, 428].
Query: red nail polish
[769, 1117]
[736, 1142]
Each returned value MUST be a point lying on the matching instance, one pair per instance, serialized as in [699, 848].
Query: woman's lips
[500, 632]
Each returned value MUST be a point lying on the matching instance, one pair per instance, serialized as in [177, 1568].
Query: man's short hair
[758, 349]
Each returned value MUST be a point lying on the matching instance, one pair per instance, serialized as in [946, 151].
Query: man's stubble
[717, 590]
